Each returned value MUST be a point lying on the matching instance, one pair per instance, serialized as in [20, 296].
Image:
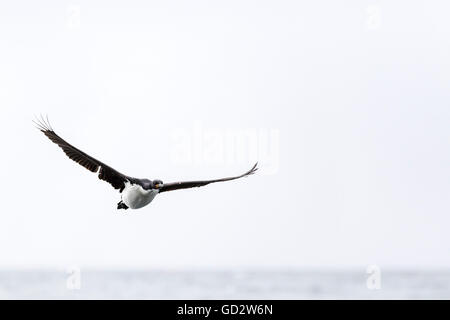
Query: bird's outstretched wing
[106, 173]
[191, 184]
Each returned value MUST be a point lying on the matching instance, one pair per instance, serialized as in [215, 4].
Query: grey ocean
[223, 285]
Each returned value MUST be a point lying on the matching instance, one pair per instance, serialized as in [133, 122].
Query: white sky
[346, 106]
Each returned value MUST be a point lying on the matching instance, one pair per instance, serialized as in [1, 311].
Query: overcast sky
[345, 105]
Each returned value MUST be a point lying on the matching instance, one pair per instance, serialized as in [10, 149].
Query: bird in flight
[135, 193]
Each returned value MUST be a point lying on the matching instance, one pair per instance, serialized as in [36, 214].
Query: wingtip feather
[253, 169]
[42, 124]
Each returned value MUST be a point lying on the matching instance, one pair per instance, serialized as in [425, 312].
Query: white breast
[135, 197]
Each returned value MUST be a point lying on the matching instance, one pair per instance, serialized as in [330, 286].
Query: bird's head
[157, 184]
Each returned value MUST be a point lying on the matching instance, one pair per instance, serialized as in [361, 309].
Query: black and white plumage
[136, 193]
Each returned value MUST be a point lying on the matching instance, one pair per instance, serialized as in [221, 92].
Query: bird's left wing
[192, 184]
[106, 173]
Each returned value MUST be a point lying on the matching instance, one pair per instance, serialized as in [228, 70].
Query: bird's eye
[157, 183]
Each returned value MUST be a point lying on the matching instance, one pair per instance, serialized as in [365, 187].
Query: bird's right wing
[106, 173]
[200, 183]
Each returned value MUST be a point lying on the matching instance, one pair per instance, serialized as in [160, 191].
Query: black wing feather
[106, 173]
[192, 184]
